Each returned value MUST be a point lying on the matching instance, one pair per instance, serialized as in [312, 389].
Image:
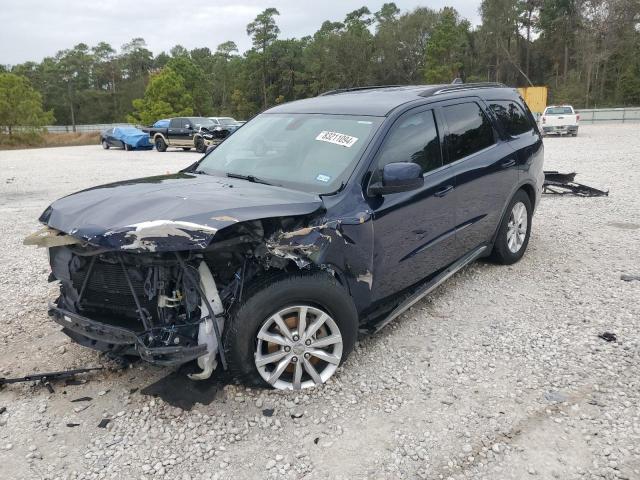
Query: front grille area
[108, 291]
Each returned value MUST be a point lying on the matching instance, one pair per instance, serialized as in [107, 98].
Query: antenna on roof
[457, 81]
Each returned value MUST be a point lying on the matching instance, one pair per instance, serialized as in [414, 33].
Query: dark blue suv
[316, 219]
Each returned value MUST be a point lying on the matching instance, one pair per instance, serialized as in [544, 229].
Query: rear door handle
[443, 191]
[507, 164]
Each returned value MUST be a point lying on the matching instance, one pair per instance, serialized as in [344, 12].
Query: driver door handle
[441, 192]
[508, 163]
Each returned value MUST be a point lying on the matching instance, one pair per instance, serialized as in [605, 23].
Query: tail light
[544, 120]
[577, 117]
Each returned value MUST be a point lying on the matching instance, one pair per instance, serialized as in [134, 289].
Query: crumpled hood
[171, 212]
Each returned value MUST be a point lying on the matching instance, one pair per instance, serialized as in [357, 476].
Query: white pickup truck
[559, 119]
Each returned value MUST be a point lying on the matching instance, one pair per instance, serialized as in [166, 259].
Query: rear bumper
[559, 130]
[104, 337]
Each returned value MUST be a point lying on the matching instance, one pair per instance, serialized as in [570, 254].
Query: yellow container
[536, 98]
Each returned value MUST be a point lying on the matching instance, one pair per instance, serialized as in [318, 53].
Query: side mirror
[398, 177]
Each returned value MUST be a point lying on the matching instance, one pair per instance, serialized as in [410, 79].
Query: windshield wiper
[250, 178]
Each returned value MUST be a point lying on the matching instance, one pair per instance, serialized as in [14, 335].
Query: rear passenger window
[175, 123]
[413, 139]
[511, 116]
[469, 130]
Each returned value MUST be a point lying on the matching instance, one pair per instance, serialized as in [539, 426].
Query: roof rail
[355, 89]
[463, 86]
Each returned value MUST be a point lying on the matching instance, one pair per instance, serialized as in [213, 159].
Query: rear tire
[515, 229]
[160, 144]
[127, 147]
[319, 291]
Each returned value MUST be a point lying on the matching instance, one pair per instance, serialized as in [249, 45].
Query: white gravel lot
[499, 374]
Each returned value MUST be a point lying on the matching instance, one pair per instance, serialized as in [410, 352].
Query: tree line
[586, 51]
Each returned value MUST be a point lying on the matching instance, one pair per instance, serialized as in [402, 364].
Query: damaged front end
[154, 267]
[155, 305]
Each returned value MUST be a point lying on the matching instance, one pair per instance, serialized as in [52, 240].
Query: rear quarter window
[470, 130]
[511, 116]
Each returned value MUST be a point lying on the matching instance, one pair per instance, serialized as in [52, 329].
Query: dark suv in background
[315, 219]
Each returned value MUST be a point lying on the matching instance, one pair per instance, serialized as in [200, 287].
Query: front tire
[105, 145]
[160, 144]
[515, 229]
[291, 332]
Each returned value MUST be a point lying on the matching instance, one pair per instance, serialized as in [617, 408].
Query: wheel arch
[529, 190]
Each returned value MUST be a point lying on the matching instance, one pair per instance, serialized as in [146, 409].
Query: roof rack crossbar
[355, 89]
[463, 86]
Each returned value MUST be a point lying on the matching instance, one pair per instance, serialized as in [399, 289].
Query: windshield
[559, 111]
[309, 152]
[227, 121]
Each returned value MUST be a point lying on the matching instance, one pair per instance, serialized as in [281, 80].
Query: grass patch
[41, 140]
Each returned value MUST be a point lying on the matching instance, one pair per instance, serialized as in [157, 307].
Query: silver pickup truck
[559, 120]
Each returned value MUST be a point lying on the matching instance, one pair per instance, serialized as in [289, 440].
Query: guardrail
[614, 115]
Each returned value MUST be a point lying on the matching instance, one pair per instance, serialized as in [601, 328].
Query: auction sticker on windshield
[337, 138]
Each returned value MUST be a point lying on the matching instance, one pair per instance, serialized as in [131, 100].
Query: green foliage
[400, 43]
[586, 51]
[446, 49]
[263, 30]
[195, 82]
[165, 96]
[20, 104]
[630, 85]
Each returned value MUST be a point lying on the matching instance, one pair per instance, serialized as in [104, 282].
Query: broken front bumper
[103, 337]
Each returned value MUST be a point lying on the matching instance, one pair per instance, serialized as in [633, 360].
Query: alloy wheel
[298, 347]
[517, 227]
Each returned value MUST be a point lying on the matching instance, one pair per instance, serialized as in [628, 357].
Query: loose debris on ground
[608, 337]
[557, 183]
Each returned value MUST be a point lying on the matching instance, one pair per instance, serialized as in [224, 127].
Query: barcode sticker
[337, 138]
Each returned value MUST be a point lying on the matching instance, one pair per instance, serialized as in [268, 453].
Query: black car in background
[316, 219]
[227, 123]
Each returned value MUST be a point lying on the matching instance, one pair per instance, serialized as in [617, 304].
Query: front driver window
[414, 138]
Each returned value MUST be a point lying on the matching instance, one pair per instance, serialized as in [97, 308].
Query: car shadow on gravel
[178, 390]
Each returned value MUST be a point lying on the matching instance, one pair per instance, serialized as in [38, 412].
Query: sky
[34, 29]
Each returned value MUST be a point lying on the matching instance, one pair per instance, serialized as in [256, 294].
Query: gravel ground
[499, 374]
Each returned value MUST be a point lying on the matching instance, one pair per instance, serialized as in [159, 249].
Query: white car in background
[559, 119]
